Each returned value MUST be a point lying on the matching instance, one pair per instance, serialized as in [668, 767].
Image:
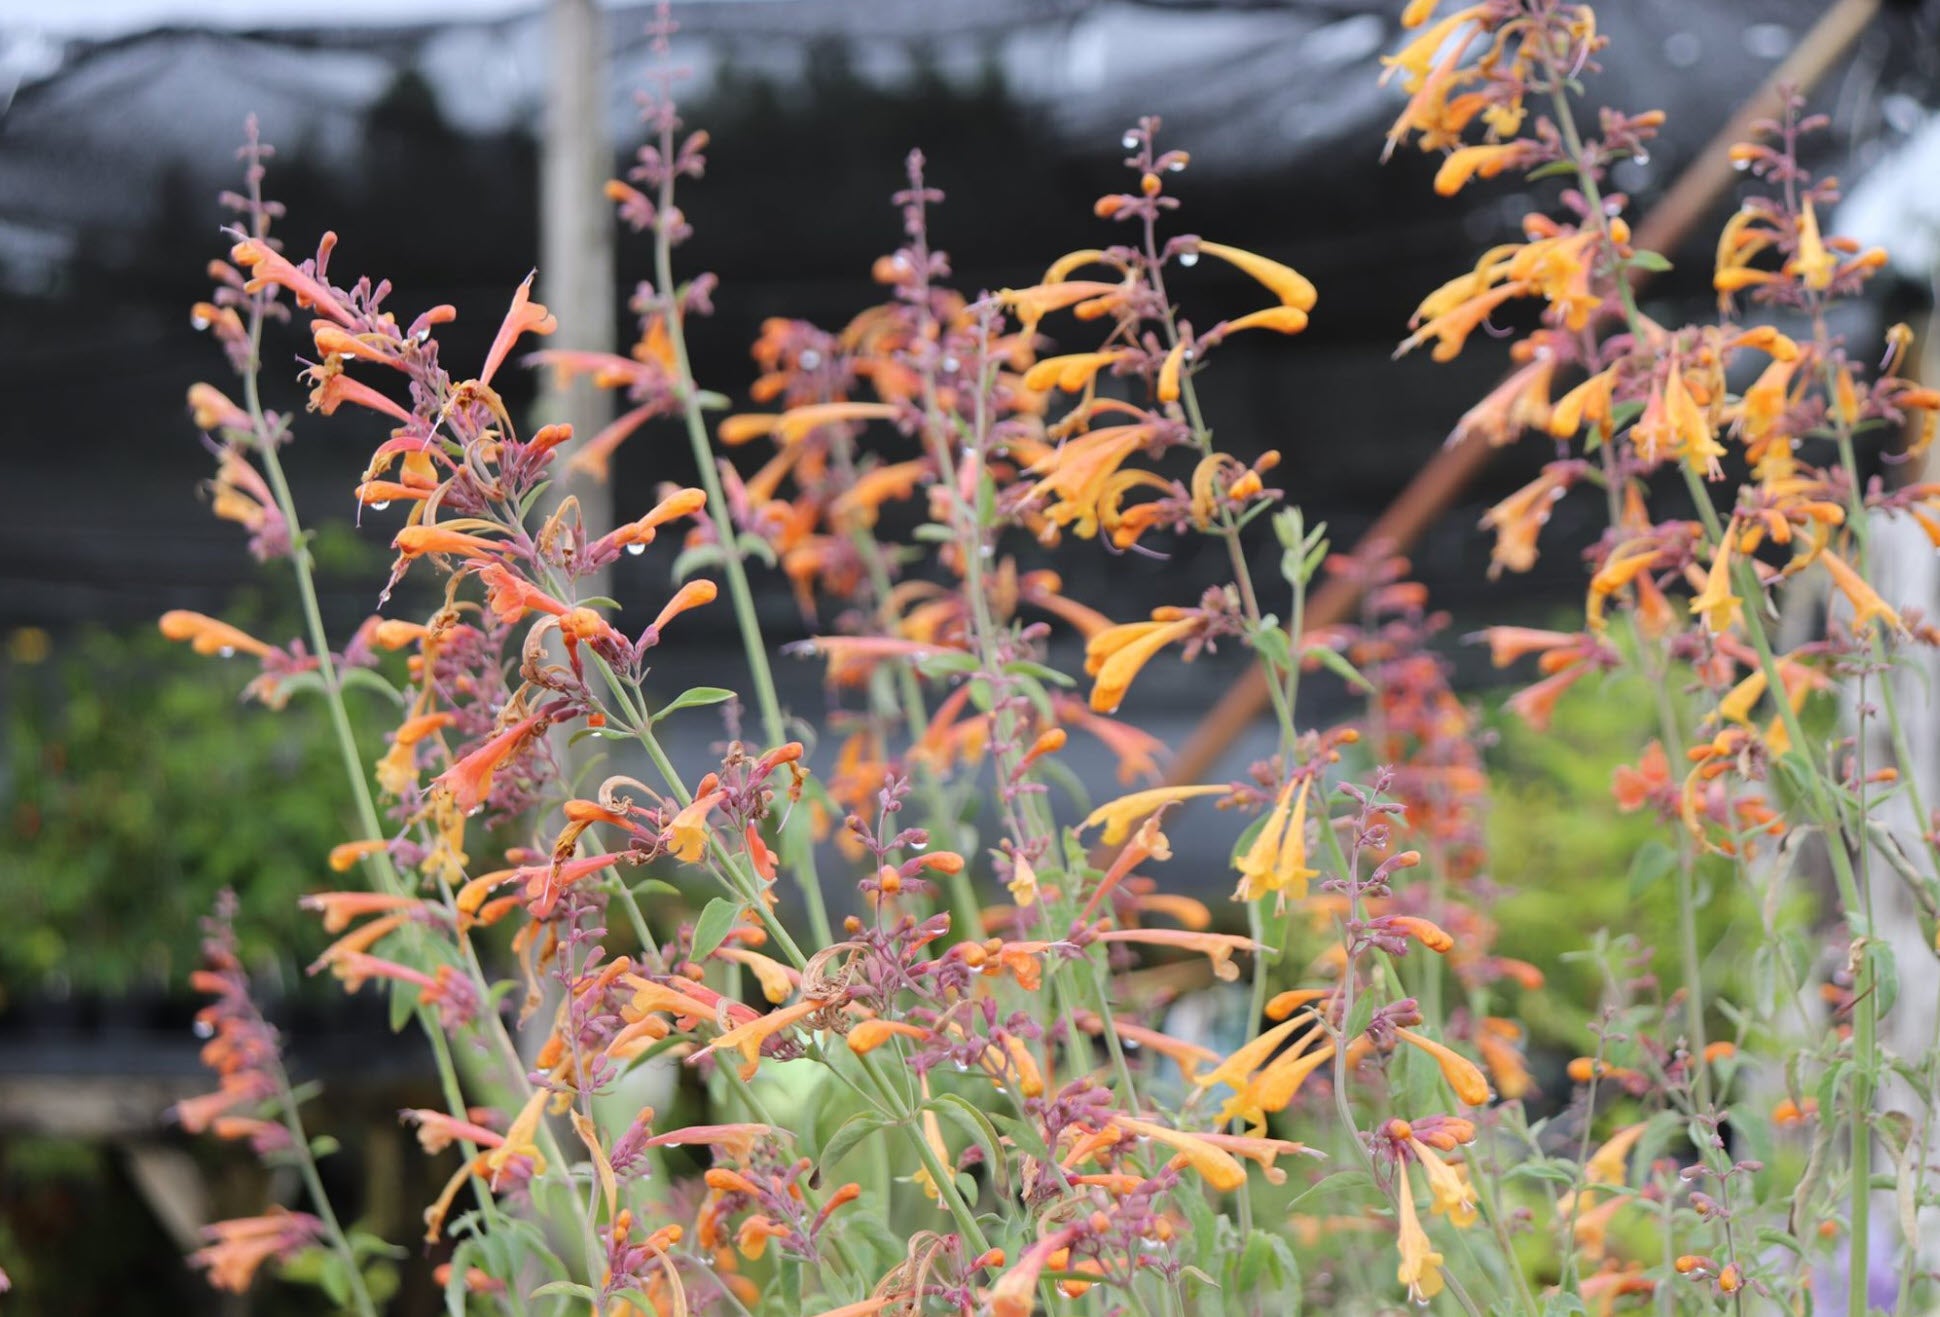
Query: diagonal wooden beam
[1437, 485]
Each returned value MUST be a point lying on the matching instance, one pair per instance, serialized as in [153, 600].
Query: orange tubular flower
[525, 316]
[1866, 603]
[1462, 1074]
[445, 540]
[209, 637]
[1115, 656]
[1293, 289]
[1073, 373]
[269, 267]
[1215, 1165]
[470, 779]
[1077, 472]
[798, 423]
[748, 1038]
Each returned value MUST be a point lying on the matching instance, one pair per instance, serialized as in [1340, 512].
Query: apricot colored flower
[525, 316]
[208, 636]
[1866, 603]
[1293, 289]
[1716, 604]
[1114, 657]
[1462, 1074]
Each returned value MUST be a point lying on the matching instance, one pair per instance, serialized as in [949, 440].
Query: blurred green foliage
[1576, 864]
[136, 787]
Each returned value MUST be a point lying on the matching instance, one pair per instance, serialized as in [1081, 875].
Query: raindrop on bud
[1176, 167]
[1640, 157]
[810, 359]
[380, 505]
[950, 363]
[635, 550]
[1188, 259]
[227, 651]
[199, 322]
[203, 1029]
[1129, 141]
[1741, 164]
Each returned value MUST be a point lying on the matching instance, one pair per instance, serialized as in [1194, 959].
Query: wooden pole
[576, 234]
[1437, 485]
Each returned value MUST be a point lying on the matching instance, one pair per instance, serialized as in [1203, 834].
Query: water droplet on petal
[636, 549]
[227, 651]
[1188, 259]
[810, 359]
[1741, 164]
[951, 363]
[1641, 157]
[199, 322]
[474, 811]
[1177, 167]
[380, 505]
[1129, 141]
[203, 1029]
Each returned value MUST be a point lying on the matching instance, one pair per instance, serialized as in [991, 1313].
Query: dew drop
[474, 811]
[1129, 141]
[810, 359]
[380, 505]
[203, 1029]
[919, 845]
[199, 322]
[1640, 157]
[1176, 167]
[1741, 164]
[227, 651]
[951, 363]
[635, 550]
[1188, 259]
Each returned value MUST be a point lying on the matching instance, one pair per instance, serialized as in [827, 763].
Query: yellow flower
[1121, 815]
[1813, 264]
[687, 834]
[1716, 604]
[1454, 1195]
[1421, 1266]
[1277, 859]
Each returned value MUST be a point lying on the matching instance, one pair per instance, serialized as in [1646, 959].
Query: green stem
[801, 848]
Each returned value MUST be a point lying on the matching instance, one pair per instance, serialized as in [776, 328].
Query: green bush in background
[135, 788]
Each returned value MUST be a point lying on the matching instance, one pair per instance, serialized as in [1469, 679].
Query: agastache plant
[979, 1090]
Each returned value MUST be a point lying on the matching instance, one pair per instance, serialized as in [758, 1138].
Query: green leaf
[696, 697]
[1886, 974]
[1337, 665]
[1027, 668]
[1651, 865]
[853, 1131]
[977, 1125]
[692, 560]
[753, 546]
[323, 1145]
[572, 1287]
[712, 928]
[1653, 261]
[404, 1004]
[949, 663]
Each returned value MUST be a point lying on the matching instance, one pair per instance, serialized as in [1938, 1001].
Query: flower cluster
[1020, 1069]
